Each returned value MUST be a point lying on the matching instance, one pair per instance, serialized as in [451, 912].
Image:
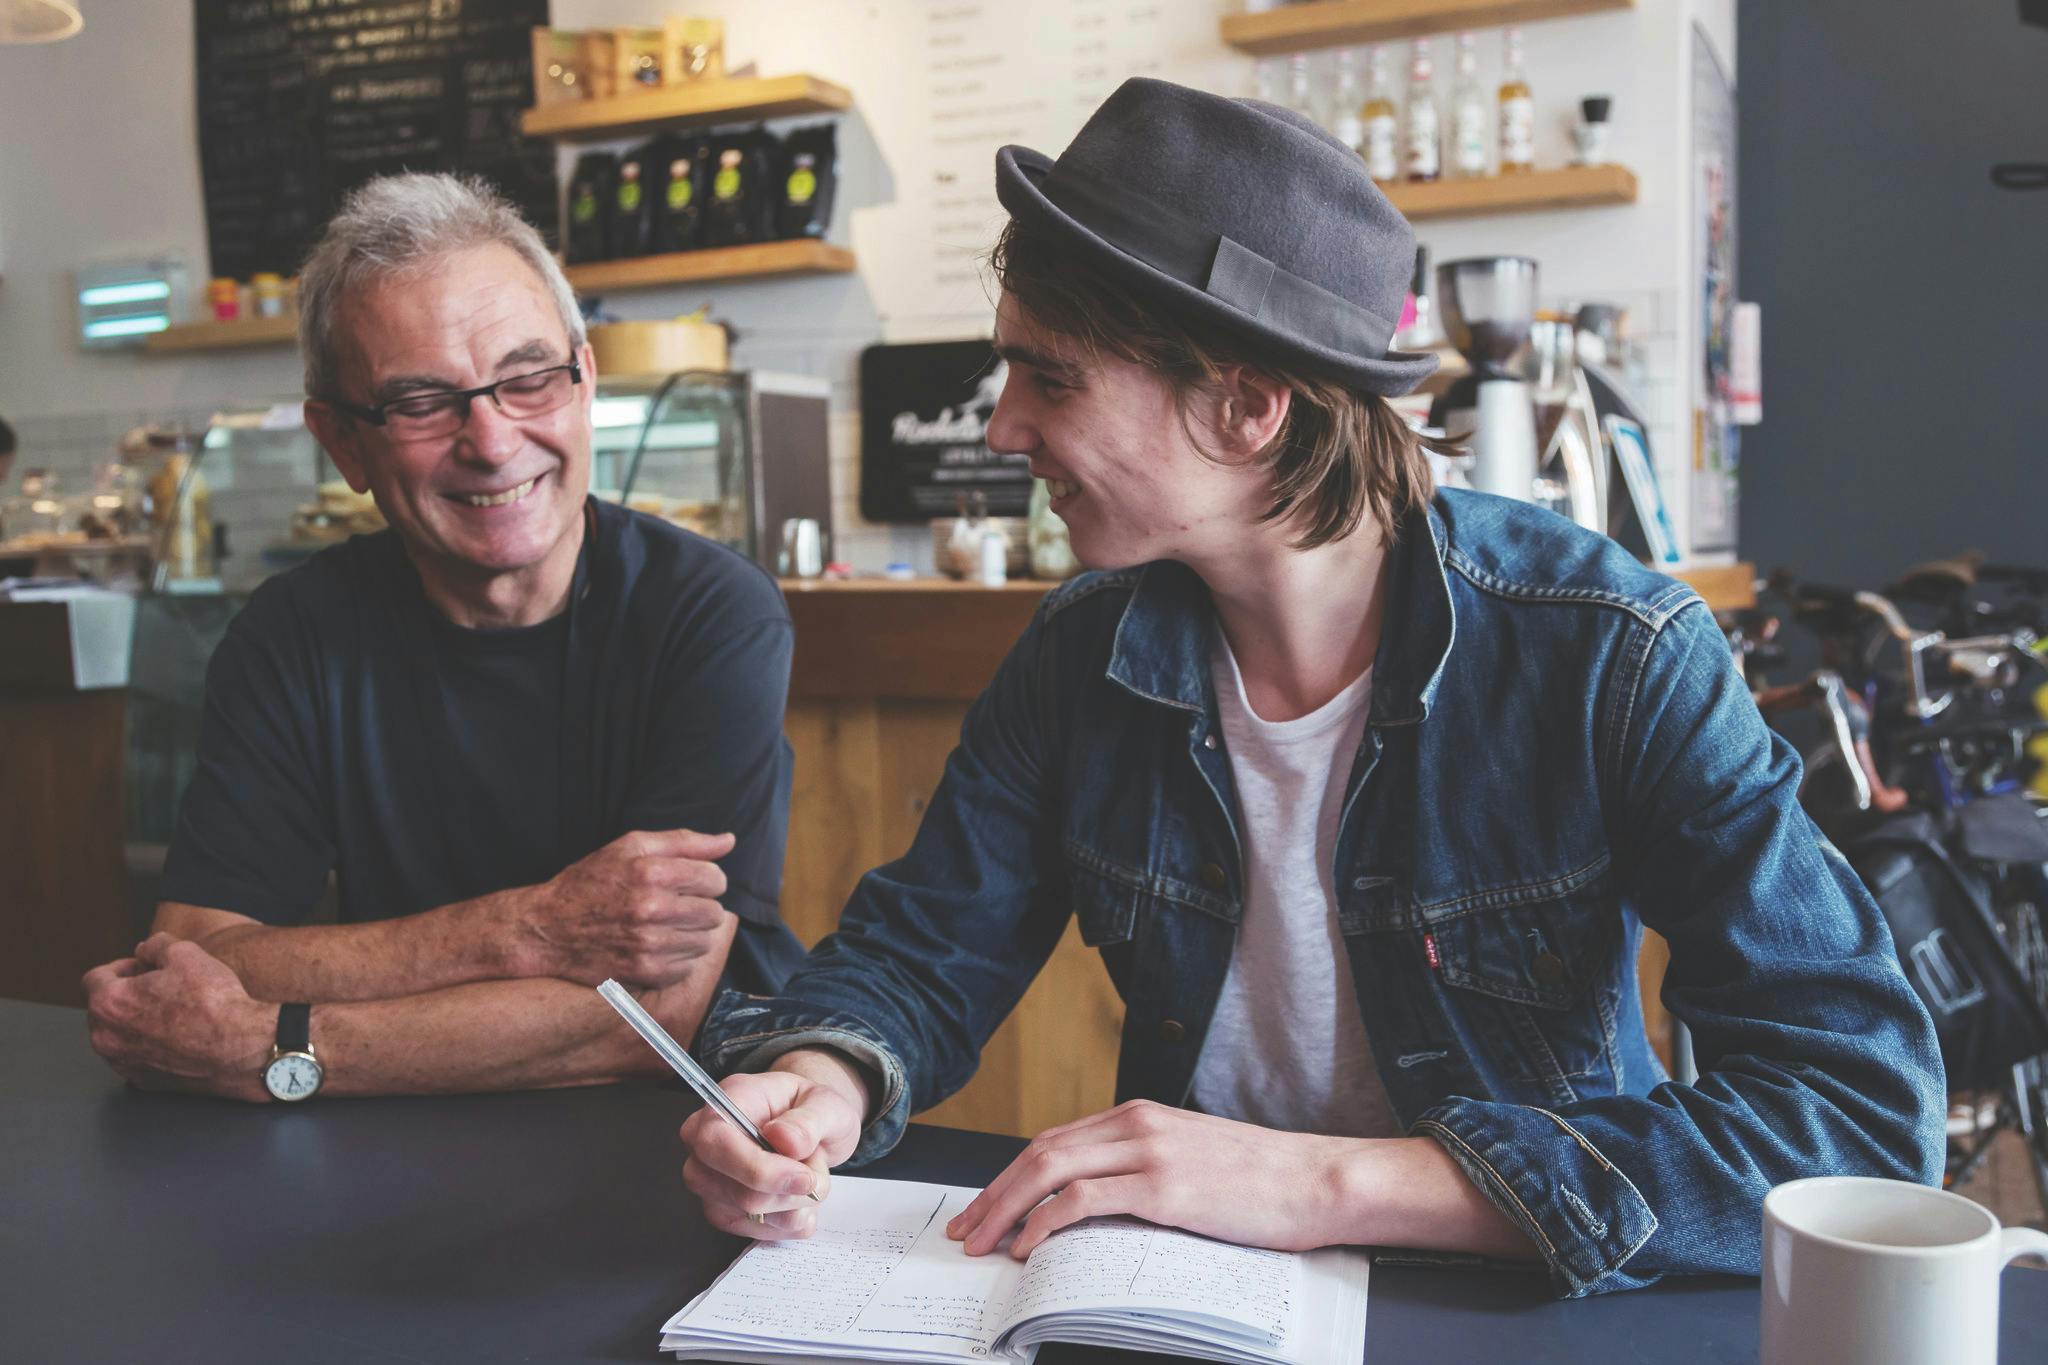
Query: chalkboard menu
[302, 100]
[924, 411]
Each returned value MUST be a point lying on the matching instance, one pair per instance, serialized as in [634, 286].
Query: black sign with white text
[924, 411]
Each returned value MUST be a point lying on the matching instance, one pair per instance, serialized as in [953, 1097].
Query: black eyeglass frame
[379, 415]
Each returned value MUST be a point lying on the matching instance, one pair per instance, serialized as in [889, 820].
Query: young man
[1361, 793]
[536, 738]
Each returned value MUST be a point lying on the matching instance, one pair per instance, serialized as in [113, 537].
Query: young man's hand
[174, 1017]
[1223, 1179]
[810, 1108]
[1238, 1183]
[642, 910]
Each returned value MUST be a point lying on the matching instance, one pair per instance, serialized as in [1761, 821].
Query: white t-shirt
[1287, 1047]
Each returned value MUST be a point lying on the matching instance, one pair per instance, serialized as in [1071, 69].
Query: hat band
[1225, 269]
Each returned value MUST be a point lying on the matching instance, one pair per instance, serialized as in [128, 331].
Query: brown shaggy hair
[1342, 455]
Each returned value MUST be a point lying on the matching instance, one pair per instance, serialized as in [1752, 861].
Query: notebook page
[879, 1276]
[1243, 1294]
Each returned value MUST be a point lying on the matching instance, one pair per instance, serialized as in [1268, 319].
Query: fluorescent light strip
[142, 291]
[126, 327]
[618, 412]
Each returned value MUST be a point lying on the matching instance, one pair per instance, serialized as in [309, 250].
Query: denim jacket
[1558, 751]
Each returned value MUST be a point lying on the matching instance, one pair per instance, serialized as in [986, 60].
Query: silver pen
[694, 1076]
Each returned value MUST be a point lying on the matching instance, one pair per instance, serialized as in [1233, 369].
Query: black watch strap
[294, 1028]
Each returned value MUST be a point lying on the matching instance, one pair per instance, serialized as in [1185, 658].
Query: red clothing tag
[1429, 951]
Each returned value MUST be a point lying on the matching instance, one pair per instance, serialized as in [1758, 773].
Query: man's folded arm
[469, 941]
[503, 1035]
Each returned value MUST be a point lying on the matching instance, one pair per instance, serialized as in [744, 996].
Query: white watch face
[294, 1076]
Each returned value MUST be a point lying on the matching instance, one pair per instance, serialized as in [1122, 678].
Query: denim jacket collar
[1162, 642]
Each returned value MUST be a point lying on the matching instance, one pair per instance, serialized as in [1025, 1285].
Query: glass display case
[676, 448]
[729, 455]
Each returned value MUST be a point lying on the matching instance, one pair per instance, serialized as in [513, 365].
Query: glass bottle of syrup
[1471, 121]
[1347, 118]
[1517, 112]
[1382, 121]
[1424, 138]
[1301, 96]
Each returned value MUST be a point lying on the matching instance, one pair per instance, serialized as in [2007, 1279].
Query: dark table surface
[543, 1227]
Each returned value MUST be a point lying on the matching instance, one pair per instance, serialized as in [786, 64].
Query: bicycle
[1920, 773]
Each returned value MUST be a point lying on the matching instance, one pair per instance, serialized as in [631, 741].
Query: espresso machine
[1488, 308]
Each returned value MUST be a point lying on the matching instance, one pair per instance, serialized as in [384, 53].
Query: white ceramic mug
[1880, 1272]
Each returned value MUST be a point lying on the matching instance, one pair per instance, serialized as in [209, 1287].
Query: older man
[536, 738]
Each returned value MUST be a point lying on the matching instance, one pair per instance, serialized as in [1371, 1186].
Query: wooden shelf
[804, 256]
[673, 106]
[223, 336]
[1342, 23]
[1567, 187]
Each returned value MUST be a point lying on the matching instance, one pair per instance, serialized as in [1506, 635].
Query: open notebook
[880, 1280]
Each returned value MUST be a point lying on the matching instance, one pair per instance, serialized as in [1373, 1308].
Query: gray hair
[397, 224]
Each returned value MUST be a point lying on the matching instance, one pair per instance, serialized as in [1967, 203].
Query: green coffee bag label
[726, 184]
[583, 208]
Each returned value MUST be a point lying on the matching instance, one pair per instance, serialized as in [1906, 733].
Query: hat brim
[1018, 173]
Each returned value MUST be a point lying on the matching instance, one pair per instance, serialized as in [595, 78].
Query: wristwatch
[293, 1073]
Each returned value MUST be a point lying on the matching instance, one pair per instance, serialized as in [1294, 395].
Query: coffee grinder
[1487, 305]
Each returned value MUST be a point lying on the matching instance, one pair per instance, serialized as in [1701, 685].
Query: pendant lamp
[38, 21]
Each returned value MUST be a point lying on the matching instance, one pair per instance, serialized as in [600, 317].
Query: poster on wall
[924, 450]
[1716, 440]
[302, 100]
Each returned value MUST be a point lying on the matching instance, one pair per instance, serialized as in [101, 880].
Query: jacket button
[1212, 876]
[1208, 741]
[1171, 1031]
[1549, 969]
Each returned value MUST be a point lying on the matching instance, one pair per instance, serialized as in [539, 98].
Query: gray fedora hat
[1236, 212]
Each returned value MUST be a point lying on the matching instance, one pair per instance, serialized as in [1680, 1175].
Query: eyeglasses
[428, 416]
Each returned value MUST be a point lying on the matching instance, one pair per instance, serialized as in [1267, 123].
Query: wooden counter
[882, 676]
[63, 876]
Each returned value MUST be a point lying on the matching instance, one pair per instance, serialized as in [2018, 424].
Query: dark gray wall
[1905, 298]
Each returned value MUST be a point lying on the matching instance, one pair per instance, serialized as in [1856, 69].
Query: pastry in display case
[98, 533]
[336, 513]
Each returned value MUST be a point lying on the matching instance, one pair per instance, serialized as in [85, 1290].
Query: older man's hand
[642, 909]
[173, 1017]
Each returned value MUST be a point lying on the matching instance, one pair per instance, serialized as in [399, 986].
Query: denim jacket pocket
[1530, 976]
[1105, 908]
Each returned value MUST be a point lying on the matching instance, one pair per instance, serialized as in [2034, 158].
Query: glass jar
[1052, 554]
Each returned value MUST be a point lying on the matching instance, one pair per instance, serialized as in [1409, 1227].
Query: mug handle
[2016, 1242]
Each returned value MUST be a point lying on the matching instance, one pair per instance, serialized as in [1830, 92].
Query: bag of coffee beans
[593, 189]
[809, 175]
[633, 204]
[677, 193]
[741, 206]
